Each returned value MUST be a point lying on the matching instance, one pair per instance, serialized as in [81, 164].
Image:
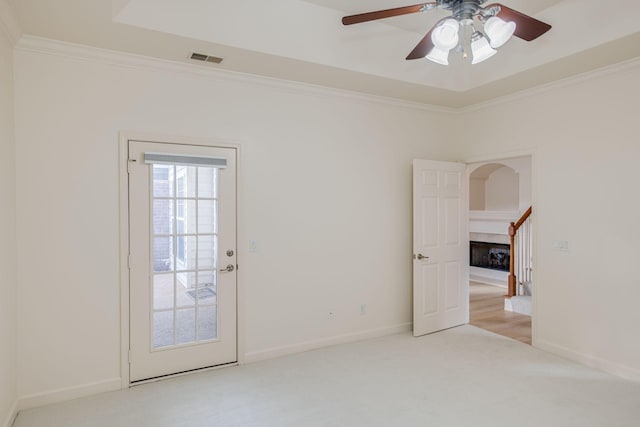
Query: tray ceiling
[305, 41]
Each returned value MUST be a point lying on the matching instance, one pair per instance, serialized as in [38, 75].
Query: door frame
[124, 138]
[532, 152]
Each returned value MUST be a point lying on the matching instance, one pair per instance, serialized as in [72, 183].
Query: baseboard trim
[11, 417]
[256, 356]
[607, 366]
[68, 393]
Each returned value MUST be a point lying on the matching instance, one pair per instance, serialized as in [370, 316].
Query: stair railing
[520, 263]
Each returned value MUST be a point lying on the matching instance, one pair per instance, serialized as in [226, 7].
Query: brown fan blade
[527, 28]
[387, 13]
[426, 44]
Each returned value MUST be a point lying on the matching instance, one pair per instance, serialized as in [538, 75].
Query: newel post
[512, 258]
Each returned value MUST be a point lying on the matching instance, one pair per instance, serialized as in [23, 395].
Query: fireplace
[494, 256]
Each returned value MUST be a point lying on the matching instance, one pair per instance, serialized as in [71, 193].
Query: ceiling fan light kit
[445, 36]
[499, 31]
[480, 48]
[439, 56]
[498, 22]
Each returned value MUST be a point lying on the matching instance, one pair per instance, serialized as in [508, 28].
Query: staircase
[520, 290]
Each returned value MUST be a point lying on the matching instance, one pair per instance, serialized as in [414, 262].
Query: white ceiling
[305, 41]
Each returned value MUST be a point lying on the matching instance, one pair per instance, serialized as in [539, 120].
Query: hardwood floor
[486, 311]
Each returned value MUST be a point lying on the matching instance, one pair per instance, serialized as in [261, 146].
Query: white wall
[522, 166]
[326, 194]
[8, 287]
[585, 138]
[502, 190]
[477, 194]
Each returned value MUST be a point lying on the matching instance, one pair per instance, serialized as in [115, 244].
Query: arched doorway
[499, 193]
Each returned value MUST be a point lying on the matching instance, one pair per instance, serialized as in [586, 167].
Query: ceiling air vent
[206, 58]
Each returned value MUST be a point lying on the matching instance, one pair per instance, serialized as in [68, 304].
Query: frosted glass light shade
[439, 56]
[480, 48]
[445, 35]
[498, 31]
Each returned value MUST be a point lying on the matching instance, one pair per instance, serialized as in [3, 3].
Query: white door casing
[440, 246]
[190, 287]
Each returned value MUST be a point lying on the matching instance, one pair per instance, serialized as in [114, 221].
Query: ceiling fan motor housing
[462, 10]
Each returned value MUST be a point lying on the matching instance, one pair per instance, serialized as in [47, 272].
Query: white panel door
[440, 246]
[182, 222]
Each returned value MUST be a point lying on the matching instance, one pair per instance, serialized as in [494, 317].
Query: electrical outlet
[363, 309]
[253, 246]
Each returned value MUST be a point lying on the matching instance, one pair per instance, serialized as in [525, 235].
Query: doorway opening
[501, 247]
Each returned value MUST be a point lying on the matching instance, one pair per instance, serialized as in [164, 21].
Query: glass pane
[207, 290]
[207, 178]
[186, 216]
[207, 217]
[206, 279]
[186, 181]
[162, 254]
[162, 291]
[163, 181]
[163, 216]
[185, 326]
[185, 253]
[207, 252]
[162, 329]
[186, 289]
[207, 322]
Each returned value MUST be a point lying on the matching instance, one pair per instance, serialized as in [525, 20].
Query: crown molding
[9, 23]
[29, 43]
[623, 66]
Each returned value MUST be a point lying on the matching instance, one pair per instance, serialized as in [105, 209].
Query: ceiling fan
[459, 30]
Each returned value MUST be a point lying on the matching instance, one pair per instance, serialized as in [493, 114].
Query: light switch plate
[560, 245]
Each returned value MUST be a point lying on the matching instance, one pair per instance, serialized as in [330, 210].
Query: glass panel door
[182, 302]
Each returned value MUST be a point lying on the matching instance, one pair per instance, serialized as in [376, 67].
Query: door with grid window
[182, 225]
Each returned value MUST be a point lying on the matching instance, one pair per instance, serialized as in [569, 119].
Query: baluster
[524, 258]
[522, 262]
[529, 250]
[517, 257]
[526, 251]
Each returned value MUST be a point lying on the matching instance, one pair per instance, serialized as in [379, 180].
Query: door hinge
[129, 261]
[129, 356]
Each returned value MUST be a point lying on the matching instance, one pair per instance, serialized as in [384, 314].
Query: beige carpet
[461, 377]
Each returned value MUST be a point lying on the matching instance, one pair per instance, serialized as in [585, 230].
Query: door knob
[421, 257]
[228, 269]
